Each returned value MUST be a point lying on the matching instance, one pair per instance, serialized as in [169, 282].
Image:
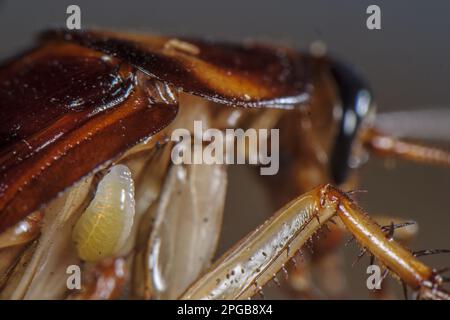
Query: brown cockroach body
[87, 115]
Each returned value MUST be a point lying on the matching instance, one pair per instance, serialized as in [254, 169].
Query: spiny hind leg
[256, 259]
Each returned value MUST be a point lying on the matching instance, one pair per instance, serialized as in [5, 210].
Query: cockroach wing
[65, 110]
[248, 75]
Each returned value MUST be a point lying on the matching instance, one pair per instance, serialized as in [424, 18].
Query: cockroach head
[356, 107]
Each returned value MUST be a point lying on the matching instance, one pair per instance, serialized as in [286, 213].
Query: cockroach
[86, 177]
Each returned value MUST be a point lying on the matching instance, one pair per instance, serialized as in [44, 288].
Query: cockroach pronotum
[86, 177]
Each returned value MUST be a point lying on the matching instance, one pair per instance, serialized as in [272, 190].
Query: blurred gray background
[406, 63]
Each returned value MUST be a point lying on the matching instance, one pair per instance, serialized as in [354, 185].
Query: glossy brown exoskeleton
[81, 102]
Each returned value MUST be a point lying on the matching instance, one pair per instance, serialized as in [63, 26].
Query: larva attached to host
[105, 225]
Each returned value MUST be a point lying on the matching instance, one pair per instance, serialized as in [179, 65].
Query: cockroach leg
[385, 229]
[398, 260]
[390, 234]
[442, 270]
[428, 252]
[275, 279]
[251, 263]
[396, 226]
[372, 259]
[263, 252]
[285, 272]
[404, 230]
[361, 254]
[405, 290]
[260, 292]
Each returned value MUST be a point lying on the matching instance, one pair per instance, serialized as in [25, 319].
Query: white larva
[105, 225]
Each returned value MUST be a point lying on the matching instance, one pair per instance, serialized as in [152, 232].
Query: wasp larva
[105, 225]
